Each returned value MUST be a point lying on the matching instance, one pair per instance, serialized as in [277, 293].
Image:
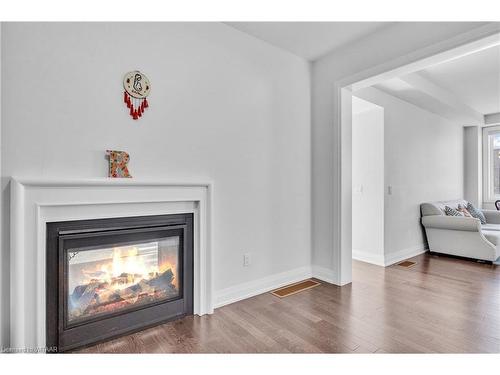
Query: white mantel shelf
[37, 201]
[105, 181]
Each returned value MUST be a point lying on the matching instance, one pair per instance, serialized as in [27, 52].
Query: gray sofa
[461, 236]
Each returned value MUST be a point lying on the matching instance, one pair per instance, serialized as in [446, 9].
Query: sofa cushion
[476, 213]
[437, 208]
[490, 227]
[492, 216]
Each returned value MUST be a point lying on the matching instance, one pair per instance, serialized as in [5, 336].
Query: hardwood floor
[441, 304]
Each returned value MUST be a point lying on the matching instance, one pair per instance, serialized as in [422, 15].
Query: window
[491, 163]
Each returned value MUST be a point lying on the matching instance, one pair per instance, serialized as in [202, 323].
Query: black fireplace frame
[66, 337]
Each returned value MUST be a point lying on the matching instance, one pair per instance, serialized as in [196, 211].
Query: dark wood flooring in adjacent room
[439, 305]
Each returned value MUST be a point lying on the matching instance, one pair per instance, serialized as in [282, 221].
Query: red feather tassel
[135, 112]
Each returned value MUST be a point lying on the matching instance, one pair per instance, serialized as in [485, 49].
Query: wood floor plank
[439, 305]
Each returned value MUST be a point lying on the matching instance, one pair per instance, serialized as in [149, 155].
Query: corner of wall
[398, 256]
[325, 274]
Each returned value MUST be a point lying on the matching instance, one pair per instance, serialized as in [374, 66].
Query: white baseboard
[252, 288]
[268, 283]
[400, 255]
[324, 274]
[391, 258]
[368, 257]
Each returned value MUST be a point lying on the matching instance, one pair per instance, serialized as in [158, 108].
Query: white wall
[367, 181]
[473, 165]
[389, 44]
[4, 251]
[224, 106]
[423, 162]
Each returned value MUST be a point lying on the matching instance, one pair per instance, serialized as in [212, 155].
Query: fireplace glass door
[113, 276]
[108, 279]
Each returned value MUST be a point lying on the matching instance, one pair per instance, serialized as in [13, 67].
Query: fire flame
[127, 261]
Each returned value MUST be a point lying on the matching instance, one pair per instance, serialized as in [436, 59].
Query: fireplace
[109, 277]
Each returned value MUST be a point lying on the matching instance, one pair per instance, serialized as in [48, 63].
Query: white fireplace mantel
[35, 202]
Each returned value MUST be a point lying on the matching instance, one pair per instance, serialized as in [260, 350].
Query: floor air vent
[295, 288]
[407, 264]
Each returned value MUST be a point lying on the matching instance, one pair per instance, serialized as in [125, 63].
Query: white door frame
[461, 45]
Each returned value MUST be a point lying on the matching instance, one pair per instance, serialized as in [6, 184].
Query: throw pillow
[464, 211]
[478, 214]
[451, 211]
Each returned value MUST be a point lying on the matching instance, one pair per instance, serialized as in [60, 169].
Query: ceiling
[474, 79]
[463, 90]
[309, 40]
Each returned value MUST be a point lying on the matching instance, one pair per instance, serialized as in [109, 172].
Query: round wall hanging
[137, 88]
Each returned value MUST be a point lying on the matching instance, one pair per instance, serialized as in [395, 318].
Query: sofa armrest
[452, 222]
[492, 216]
